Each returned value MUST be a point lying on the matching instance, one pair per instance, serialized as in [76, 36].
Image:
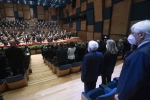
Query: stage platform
[73, 39]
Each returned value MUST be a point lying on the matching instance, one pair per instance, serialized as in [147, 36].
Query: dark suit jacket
[109, 63]
[134, 80]
[92, 64]
[61, 54]
[15, 57]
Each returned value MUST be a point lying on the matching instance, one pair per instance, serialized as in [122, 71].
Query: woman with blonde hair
[110, 58]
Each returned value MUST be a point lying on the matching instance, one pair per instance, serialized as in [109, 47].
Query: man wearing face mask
[92, 64]
[134, 80]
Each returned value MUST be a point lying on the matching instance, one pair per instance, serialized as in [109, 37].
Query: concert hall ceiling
[49, 3]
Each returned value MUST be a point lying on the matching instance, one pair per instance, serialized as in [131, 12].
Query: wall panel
[27, 14]
[116, 37]
[120, 17]
[108, 3]
[89, 1]
[8, 5]
[19, 7]
[77, 3]
[83, 6]
[82, 35]
[41, 17]
[83, 25]
[9, 12]
[40, 10]
[98, 10]
[97, 36]
[74, 25]
[15, 7]
[106, 26]
[89, 35]
[31, 13]
[90, 28]
[26, 7]
[3, 13]
[46, 15]
[53, 11]
[1, 5]
[20, 14]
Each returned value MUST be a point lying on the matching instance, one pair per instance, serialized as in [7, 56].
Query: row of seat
[64, 69]
[14, 82]
[104, 92]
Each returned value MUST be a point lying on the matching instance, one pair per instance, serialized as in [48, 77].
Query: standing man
[15, 58]
[134, 80]
[92, 64]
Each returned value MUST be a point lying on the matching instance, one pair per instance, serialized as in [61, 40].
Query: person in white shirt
[71, 52]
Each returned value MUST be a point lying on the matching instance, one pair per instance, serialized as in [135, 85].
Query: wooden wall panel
[10, 18]
[15, 7]
[120, 17]
[27, 14]
[116, 37]
[90, 28]
[83, 6]
[77, 3]
[69, 7]
[74, 25]
[26, 7]
[106, 26]
[89, 35]
[137, 1]
[66, 27]
[20, 13]
[0, 15]
[70, 13]
[53, 11]
[41, 17]
[9, 12]
[31, 13]
[19, 7]
[108, 3]
[89, 1]
[66, 7]
[64, 10]
[49, 16]
[46, 15]
[97, 36]
[49, 9]
[8, 5]
[98, 10]
[40, 10]
[73, 11]
[83, 25]
[1, 5]
[58, 12]
[3, 13]
[82, 35]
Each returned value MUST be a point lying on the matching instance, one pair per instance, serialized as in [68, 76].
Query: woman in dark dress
[110, 58]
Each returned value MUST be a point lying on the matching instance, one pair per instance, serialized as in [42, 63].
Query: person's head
[12, 42]
[140, 32]
[111, 46]
[92, 46]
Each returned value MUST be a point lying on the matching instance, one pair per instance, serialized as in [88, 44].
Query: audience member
[91, 69]
[109, 62]
[134, 80]
[71, 52]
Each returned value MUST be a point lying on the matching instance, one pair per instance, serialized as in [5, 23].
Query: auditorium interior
[36, 25]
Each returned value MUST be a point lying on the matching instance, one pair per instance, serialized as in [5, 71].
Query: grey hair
[111, 46]
[142, 26]
[93, 45]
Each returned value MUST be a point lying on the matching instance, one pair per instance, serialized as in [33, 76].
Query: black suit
[3, 72]
[92, 64]
[15, 59]
[108, 66]
[61, 54]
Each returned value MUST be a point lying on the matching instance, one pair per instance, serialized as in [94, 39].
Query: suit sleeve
[138, 69]
[84, 69]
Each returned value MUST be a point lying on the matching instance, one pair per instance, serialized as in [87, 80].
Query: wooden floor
[44, 85]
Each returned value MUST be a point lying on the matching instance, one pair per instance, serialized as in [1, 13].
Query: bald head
[12, 42]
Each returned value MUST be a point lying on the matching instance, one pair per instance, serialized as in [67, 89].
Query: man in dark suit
[92, 63]
[134, 80]
[61, 54]
[15, 58]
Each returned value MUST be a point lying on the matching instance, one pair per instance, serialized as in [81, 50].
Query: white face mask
[106, 46]
[132, 39]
